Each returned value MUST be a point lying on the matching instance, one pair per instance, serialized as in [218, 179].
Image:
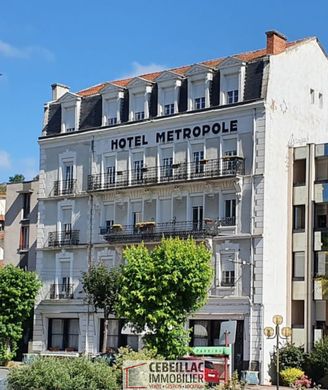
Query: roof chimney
[58, 90]
[276, 42]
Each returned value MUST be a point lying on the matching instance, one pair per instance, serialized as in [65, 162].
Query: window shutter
[153, 101]
[125, 107]
[109, 212]
[183, 98]
[198, 89]
[139, 103]
[70, 118]
[215, 90]
[111, 108]
[168, 95]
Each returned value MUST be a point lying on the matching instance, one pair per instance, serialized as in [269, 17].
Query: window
[26, 204]
[232, 96]
[227, 269]
[68, 181]
[197, 218]
[24, 238]
[321, 216]
[117, 337]
[69, 119]
[63, 334]
[200, 103]
[230, 86]
[198, 161]
[139, 115]
[111, 111]
[299, 172]
[230, 211]
[167, 166]
[169, 109]
[108, 261]
[138, 170]
[110, 170]
[108, 217]
[298, 265]
[321, 169]
[139, 107]
[299, 217]
[321, 264]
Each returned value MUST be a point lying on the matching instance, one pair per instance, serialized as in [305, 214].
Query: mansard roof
[183, 70]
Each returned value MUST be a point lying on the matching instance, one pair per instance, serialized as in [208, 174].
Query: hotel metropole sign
[184, 133]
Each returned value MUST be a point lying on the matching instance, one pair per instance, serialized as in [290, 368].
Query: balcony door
[66, 226]
[137, 168]
[197, 218]
[68, 178]
[109, 170]
[198, 159]
[65, 286]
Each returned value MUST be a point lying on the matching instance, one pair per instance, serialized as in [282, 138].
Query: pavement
[3, 375]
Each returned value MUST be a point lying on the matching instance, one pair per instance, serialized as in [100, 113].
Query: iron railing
[64, 187]
[150, 231]
[62, 291]
[63, 238]
[203, 169]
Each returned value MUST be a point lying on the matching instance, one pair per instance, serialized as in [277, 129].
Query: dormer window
[139, 98]
[70, 104]
[199, 84]
[232, 78]
[169, 84]
[112, 98]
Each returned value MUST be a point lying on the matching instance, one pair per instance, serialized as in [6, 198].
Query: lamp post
[271, 333]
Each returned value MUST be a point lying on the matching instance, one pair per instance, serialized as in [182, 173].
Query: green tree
[18, 290]
[101, 286]
[161, 288]
[18, 178]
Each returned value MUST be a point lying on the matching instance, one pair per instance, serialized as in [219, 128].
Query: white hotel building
[203, 150]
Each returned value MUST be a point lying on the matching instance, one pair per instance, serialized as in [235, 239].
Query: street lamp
[271, 333]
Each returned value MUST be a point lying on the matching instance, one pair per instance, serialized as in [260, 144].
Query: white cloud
[28, 167]
[139, 69]
[27, 52]
[5, 162]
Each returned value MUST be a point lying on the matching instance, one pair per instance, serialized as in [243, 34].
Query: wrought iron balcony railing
[61, 291]
[63, 238]
[64, 187]
[150, 231]
[202, 169]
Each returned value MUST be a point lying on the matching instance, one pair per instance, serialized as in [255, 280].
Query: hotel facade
[205, 151]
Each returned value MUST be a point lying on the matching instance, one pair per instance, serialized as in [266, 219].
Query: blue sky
[81, 43]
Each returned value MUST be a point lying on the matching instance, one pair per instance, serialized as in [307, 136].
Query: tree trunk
[105, 334]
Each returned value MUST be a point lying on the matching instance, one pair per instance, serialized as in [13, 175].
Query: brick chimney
[276, 42]
[58, 90]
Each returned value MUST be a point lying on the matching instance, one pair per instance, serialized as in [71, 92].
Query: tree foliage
[64, 374]
[160, 288]
[18, 290]
[18, 178]
[101, 286]
[317, 361]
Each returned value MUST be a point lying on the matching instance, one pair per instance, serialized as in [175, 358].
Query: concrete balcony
[171, 173]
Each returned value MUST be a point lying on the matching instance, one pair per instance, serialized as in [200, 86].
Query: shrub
[63, 374]
[290, 375]
[289, 356]
[303, 382]
[317, 362]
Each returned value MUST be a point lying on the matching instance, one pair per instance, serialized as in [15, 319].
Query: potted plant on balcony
[146, 226]
[176, 165]
[117, 227]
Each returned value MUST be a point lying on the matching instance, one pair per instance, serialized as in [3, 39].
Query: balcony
[203, 169]
[64, 187]
[151, 231]
[63, 238]
[61, 291]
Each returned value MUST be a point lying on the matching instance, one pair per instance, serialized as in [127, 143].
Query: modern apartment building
[21, 224]
[309, 254]
[201, 150]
